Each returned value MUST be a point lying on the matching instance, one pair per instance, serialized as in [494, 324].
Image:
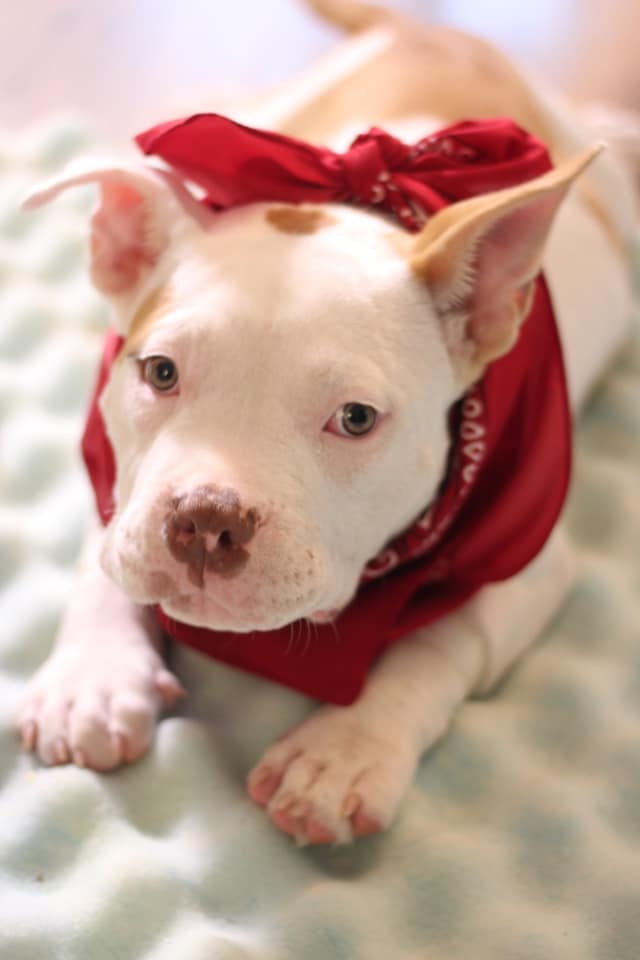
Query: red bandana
[510, 456]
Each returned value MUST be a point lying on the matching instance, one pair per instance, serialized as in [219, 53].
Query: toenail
[79, 758]
[317, 833]
[61, 751]
[258, 779]
[119, 744]
[364, 826]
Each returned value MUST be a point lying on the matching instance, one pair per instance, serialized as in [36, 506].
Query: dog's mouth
[214, 609]
[275, 591]
[220, 605]
[202, 611]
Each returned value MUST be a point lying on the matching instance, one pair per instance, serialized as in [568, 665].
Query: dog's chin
[199, 610]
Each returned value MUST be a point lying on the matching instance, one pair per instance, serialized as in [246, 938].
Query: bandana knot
[366, 172]
[371, 183]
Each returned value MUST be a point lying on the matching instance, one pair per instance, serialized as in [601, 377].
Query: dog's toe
[133, 719]
[362, 823]
[47, 729]
[290, 814]
[89, 732]
[317, 832]
[262, 783]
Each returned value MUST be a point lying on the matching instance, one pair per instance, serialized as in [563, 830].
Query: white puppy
[279, 413]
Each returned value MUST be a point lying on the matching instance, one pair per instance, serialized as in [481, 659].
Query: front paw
[96, 707]
[334, 777]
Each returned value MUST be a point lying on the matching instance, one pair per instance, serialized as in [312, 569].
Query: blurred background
[127, 64]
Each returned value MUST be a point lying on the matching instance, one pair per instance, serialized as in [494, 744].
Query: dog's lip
[190, 600]
[323, 616]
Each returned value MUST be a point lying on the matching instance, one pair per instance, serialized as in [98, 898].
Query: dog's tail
[621, 130]
[353, 16]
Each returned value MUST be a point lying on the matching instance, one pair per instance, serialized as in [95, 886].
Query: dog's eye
[354, 420]
[160, 372]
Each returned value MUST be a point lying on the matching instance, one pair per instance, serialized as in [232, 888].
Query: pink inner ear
[505, 262]
[121, 238]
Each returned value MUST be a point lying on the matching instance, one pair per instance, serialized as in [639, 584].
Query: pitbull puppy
[249, 344]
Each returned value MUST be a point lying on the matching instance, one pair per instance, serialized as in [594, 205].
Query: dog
[279, 402]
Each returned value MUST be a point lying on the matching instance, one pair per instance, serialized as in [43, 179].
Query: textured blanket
[520, 839]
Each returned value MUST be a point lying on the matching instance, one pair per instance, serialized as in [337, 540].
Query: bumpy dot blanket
[520, 839]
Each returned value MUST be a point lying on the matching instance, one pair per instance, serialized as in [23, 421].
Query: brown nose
[207, 529]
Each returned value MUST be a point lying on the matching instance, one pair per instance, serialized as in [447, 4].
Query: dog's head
[278, 411]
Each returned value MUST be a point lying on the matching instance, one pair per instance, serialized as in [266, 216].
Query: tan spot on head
[156, 305]
[298, 219]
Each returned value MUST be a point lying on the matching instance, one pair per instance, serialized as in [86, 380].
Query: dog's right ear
[132, 223]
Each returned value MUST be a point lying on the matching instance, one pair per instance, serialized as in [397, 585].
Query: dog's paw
[334, 777]
[96, 707]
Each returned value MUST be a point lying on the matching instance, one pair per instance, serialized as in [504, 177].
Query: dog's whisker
[307, 642]
[290, 640]
[332, 624]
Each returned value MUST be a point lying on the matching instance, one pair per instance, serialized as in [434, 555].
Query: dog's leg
[344, 770]
[96, 699]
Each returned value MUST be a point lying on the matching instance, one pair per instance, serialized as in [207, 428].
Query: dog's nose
[207, 529]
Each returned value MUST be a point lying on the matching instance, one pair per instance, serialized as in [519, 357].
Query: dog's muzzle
[208, 530]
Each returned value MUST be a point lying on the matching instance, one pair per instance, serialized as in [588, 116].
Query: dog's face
[278, 411]
[303, 412]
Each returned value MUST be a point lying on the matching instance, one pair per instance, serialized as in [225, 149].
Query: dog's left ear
[480, 258]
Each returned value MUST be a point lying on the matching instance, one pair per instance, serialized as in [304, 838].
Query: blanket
[520, 839]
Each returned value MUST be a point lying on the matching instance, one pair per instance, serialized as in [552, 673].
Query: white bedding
[521, 837]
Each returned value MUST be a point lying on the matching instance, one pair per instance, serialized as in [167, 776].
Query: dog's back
[393, 69]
